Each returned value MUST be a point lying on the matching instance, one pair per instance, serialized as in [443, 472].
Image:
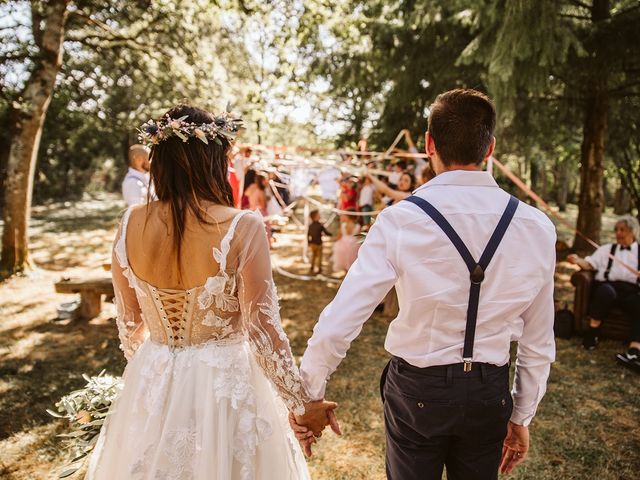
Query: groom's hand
[318, 415]
[515, 448]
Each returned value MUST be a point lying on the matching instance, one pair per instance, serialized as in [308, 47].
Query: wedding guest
[348, 194]
[396, 173]
[365, 199]
[249, 178]
[257, 194]
[457, 252]
[406, 184]
[257, 200]
[426, 173]
[345, 249]
[314, 238]
[136, 183]
[615, 285]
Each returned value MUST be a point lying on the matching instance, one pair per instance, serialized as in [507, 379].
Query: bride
[210, 379]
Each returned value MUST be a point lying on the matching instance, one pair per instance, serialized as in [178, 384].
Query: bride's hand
[303, 434]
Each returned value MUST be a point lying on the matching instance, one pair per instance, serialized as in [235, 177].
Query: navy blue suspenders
[612, 252]
[476, 269]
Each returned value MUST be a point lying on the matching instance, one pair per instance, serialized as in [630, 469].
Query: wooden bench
[90, 290]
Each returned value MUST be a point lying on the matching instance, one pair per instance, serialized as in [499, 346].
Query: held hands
[309, 426]
[515, 447]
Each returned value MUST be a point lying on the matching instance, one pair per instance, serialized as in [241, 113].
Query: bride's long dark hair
[184, 174]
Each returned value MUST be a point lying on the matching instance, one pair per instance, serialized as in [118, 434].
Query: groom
[474, 270]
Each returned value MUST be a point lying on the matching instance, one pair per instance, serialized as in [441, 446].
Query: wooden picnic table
[90, 290]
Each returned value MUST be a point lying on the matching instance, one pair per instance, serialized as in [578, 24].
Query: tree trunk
[26, 123]
[562, 185]
[622, 201]
[591, 201]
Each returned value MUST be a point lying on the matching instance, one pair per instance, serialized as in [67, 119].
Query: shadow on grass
[44, 370]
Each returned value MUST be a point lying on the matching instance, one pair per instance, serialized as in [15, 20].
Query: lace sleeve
[131, 328]
[261, 316]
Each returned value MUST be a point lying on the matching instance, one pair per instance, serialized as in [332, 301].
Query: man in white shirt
[446, 389]
[615, 284]
[135, 186]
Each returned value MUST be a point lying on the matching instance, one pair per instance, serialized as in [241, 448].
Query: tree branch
[622, 88]
[578, 3]
[577, 17]
[11, 56]
[626, 11]
[113, 37]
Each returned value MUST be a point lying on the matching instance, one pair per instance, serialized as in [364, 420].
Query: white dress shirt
[135, 187]
[618, 273]
[407, 249]
[366, 196]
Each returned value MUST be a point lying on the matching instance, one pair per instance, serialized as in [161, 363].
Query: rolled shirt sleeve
[600, 257]
[536, 352]
[368, 281]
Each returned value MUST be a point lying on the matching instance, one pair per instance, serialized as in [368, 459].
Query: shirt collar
[468, 178]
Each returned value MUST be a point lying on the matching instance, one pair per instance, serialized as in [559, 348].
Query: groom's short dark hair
[461, 123]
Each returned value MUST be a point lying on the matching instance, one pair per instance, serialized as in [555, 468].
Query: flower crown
[225, 125]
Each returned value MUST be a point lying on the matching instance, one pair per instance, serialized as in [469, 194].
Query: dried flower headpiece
[154, 132]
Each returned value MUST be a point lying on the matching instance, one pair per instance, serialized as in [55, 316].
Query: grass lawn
[587, 426]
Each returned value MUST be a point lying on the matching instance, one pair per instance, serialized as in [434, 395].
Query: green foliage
[354, 68]
[383, 63]
[126, 62]
[86, 410]
[386, 62]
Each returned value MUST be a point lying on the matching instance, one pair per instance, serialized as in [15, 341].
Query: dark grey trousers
[440, 417]
[605, 295]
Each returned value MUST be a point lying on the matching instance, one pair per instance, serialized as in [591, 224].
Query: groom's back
[433, 283]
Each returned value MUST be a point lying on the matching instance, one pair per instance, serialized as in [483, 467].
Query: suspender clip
[477, 275]
[467, 364]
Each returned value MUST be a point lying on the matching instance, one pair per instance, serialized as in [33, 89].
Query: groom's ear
[429, 144]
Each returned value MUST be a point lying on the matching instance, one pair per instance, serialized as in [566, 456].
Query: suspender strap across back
[612, 252]
[476, 269]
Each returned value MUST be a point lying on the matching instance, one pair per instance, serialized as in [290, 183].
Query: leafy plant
[86, 410]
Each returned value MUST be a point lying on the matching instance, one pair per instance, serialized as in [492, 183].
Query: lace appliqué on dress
[179, 453]
[277, 360]
[231, 380]
[126, 327]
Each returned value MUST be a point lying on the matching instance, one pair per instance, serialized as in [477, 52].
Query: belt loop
[483, 372]
[449, 374]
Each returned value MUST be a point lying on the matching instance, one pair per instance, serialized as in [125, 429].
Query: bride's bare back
[149, 242]
[224, 292]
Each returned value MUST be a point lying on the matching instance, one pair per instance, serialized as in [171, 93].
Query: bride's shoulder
[137, 212]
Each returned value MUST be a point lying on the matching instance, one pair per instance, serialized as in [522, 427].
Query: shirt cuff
[315, 382]
[521, 418]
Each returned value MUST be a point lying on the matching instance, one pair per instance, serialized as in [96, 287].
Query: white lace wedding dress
[210, 374]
